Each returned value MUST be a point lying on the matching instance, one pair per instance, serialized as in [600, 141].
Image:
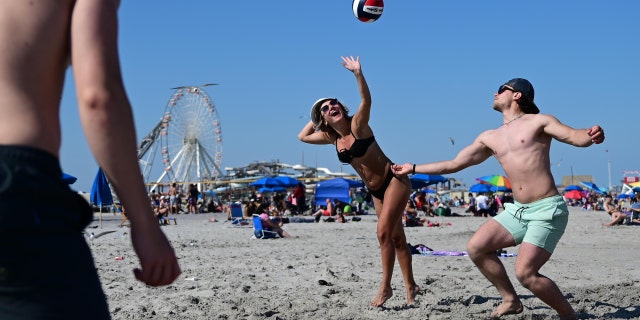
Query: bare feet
[506, 308]
[412, 292]
[382, 297]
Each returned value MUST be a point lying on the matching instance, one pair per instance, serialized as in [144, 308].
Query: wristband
[414, 169]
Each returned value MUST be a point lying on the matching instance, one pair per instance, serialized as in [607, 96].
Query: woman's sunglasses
[325, 108]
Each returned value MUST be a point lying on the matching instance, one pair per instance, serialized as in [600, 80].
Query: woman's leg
[393, 241]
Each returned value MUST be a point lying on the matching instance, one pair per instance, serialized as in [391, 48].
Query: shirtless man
[539, 215]
[173, 198]
[46, 268]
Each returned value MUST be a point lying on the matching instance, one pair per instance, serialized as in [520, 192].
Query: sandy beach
[332, 271]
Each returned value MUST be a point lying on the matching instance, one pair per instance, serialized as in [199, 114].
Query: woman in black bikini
[355, 143]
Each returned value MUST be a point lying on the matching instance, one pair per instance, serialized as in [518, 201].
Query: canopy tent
[337, 188]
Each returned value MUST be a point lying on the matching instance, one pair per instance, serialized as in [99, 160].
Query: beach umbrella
[269, 190]
[625, 196]
[101, 192]
[592, 186]
[68, 179]
[288, 181]
[495, 180]
[480, 188]
[573, 194]
[423, 180]
[573, 187]
[500, 189]
[267, 182]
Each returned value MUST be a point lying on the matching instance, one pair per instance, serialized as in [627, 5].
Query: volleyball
[368, 10]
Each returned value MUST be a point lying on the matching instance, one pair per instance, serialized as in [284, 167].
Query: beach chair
[259, 232]
[237, 216]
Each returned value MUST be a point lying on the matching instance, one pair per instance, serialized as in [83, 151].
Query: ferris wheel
[190, 137]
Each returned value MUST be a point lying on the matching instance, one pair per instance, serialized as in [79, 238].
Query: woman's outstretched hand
[352, 64]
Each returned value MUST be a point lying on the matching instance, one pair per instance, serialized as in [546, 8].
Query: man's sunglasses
[504, 88]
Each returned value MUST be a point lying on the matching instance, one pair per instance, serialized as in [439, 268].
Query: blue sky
[432, 67]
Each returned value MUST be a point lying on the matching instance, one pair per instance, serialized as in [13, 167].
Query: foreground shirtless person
[539, 215]
[47, 270]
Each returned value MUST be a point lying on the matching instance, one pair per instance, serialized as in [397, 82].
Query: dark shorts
[46, 267]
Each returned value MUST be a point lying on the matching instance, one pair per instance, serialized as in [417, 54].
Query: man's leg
[529, 261]
[482, 248]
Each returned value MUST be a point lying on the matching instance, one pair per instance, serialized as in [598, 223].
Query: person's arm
[576, 137]
[473, 154]
[362, 115]
[107, 120]
[310, 135]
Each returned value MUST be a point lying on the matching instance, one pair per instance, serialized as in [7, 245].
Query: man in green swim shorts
[539, 215]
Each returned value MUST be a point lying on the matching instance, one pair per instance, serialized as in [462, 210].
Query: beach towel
[423, 250]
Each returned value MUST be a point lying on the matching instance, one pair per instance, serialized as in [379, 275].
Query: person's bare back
[39, 40]
[34, 41]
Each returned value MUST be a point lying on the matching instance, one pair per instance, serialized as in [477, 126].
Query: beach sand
[332, 271]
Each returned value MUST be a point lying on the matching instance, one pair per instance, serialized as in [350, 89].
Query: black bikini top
[358, 149]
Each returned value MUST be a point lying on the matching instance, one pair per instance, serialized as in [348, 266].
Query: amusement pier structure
[188, 138]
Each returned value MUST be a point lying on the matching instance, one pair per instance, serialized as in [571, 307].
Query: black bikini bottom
[379, 193]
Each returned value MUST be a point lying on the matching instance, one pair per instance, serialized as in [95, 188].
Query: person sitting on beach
[269, 224]
[634, 211]
[616, 215]
[162, 211]
[422, 204]
[472, 205]
[410, 216]
[328, 210]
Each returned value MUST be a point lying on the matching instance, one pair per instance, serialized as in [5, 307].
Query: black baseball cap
[524, 86]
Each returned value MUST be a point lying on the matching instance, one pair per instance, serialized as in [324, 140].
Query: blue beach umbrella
[101, 192]
[267, 182]
[68, 179]
[288, 181]
[573, 187]
[592, 186]
[270, 190]
[480, 188]
[420, 180]
[500, 189]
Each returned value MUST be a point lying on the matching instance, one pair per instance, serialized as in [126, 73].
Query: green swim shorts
[541, 223]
